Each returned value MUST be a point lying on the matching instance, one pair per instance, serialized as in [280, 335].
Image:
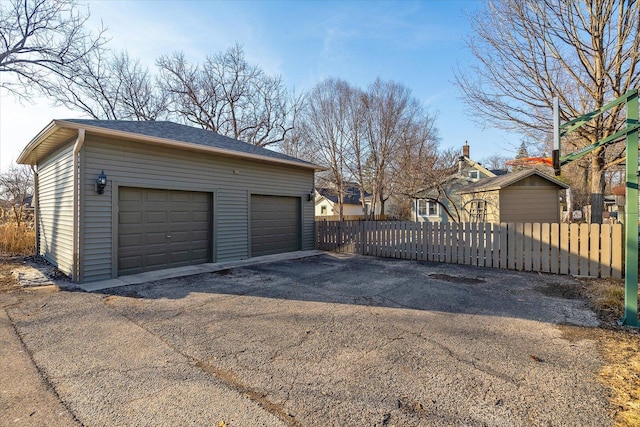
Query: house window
[478, 211]
[428, 208]
[474, 174]
[323, 210]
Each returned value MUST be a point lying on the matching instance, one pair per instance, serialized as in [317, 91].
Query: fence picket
[482, 244]
[430, 240]
[423, 241]
[511, 247]
[574, 250]
[594, 250]
[520, 251]
[460, 243]
[490, 244]
[605, 250]
[545, 248]
[564, 248]
[584, 249]
[504, 249]
[495, 237]
[536, 252]
[403, 240]
[453, 242]
[616, 252]
[555, 249]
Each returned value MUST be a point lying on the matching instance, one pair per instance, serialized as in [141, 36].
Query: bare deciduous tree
[42, 42]
[16, 184]
[229, 96]
[324, 127]
[113, 88]
[381, 140]
[495, 161]
[418, 161]
[529, 51]
[391, 114]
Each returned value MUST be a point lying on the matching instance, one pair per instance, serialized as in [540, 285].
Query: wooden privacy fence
[593, 250]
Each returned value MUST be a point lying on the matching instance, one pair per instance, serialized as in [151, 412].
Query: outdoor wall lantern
[101, 182]
[310, 196]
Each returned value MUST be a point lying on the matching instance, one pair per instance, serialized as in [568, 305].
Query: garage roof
[501, 181]
[166, 133]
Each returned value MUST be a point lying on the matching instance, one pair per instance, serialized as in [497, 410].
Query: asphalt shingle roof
[183, 133]
[502, 181]
[351, 198]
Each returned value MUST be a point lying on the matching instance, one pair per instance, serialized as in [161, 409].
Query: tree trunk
[597, 185]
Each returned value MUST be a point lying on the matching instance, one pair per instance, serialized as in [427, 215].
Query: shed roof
[165, 133]
[501, 181]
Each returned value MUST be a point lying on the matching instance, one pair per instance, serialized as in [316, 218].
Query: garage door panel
[275, 224]
[155, 238]
[199, 216]
[155, 195]
[180, 197]
[130, 217]
[157, 229]
[128, 262]
[200, 252]
[158, 259]
[156, 217]
[131, 240]
[183, 216]
[180, 237]
[180, 256]
[132, 195]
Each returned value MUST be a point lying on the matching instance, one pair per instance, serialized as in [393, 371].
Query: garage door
[275, 224]
[162, 229]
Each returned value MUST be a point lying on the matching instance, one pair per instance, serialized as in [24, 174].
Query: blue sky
[416, 43]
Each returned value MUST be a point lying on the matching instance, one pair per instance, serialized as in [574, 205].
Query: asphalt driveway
[324, 340]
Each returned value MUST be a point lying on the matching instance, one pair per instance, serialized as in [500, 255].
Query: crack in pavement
[227, 377]
[48, 385]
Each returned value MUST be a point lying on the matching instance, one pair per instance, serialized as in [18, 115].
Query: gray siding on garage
[55, 215]
[275, 224]
[231, 180]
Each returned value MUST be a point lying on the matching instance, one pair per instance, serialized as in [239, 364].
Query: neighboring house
[327, 203]
[122, 197]
[426, 209]
[524, 196]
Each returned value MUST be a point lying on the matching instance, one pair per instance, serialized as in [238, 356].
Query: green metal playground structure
[630, 131]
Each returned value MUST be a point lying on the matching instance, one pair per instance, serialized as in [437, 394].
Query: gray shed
[174, 195]
[524, 196]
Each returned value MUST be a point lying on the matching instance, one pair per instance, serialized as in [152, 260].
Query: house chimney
[465, 149]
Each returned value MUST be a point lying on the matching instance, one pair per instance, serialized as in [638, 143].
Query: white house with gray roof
[122, 197]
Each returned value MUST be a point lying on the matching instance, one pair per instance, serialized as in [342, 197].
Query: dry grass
[622, 375]
[17, 240]
[620, 349]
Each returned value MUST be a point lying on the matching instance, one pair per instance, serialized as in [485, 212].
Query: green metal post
[631, 219]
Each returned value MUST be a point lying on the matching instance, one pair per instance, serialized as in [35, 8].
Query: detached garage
[122, 197]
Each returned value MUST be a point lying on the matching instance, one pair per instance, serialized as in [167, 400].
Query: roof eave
[23, 158]
[60, 124]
